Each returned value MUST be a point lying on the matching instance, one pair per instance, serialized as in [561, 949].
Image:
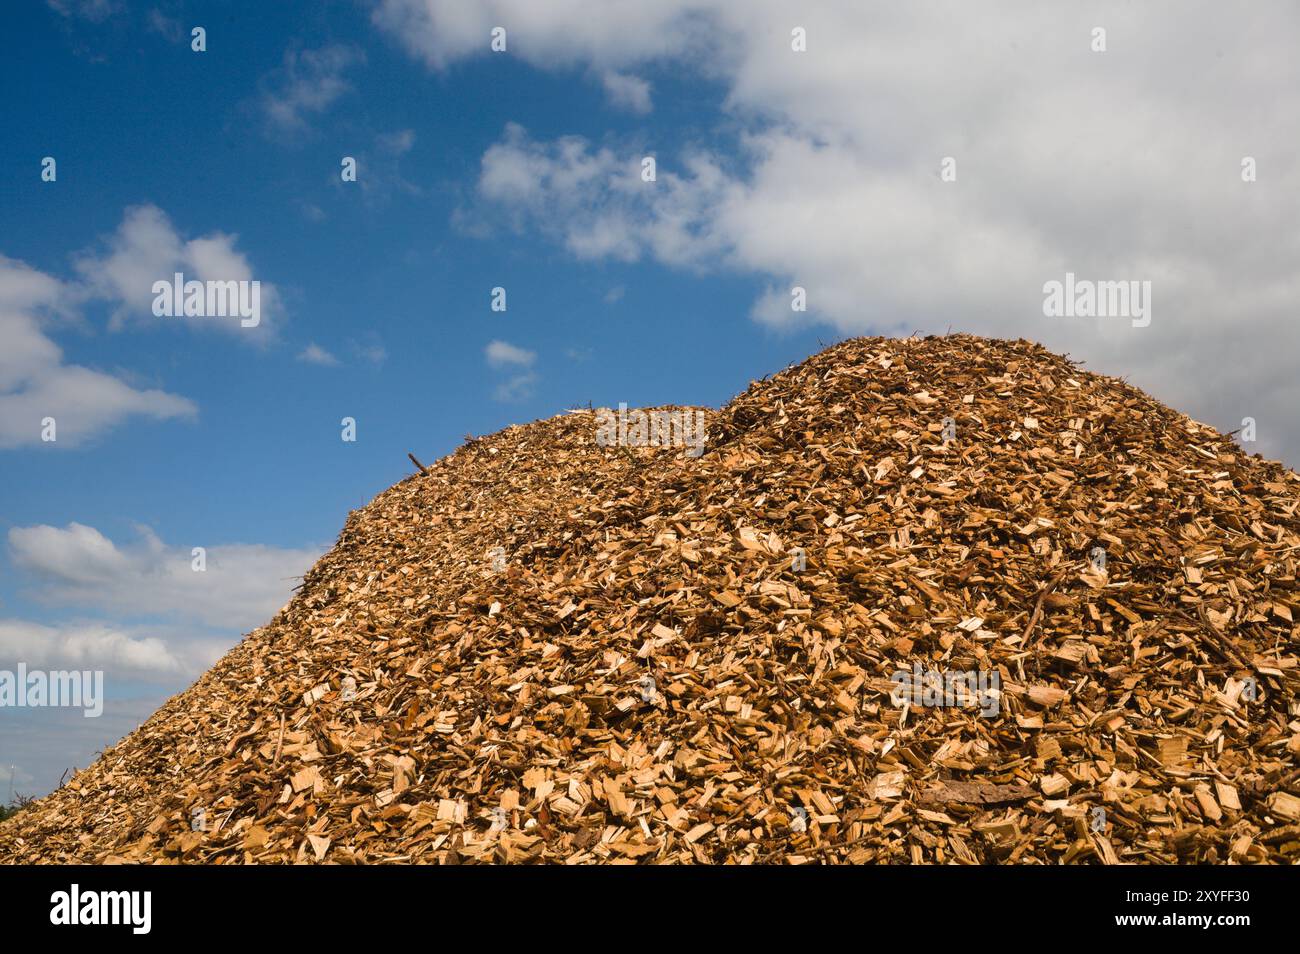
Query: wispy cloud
[315, 354]
[379, 168]
[520, 386]
[96, 11]
[167, 27]
[397, 143]
[369, 349]
[306, 85]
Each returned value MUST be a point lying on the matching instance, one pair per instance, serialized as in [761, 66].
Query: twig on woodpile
[1038, 606]
[279, 743]
[424, 470]
[1216, 641]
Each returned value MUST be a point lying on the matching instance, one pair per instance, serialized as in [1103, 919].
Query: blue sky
[818, 167]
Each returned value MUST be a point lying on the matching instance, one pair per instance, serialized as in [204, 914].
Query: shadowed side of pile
[689, 659]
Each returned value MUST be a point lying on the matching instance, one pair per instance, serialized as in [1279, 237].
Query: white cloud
[627, 91]
[596, 203]
[86, 646]
[306, 85]
[559, 32]
[518, 388]
[315, 354]
[35, 383]
[502, 354]
[146, 248]
[1117, 165]
[160, 624]
[23, 288]
[370, 349]
[242, 587]
[521, 386]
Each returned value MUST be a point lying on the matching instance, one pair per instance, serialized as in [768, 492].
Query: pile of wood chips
[689, 659]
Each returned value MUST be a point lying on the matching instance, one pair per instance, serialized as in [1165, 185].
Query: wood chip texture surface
[678, 659]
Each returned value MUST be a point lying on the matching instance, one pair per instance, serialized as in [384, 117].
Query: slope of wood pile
[648, 670]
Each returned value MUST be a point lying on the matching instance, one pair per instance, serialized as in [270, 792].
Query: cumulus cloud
[1120, 165]
[626, 91]
[596, 203]
[147, 248]
[242, 586]
[36, 383]
[502, 354]
[306, 85]
[562, 32]
[85, 646]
